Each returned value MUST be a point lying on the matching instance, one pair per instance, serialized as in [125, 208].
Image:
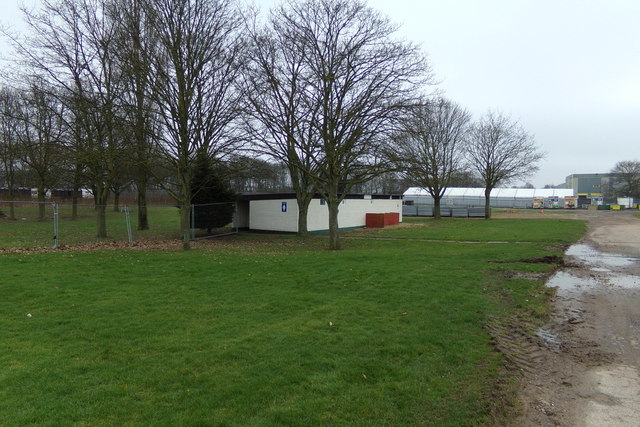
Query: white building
[279, 211]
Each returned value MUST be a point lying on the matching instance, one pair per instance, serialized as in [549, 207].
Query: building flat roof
[279, 196]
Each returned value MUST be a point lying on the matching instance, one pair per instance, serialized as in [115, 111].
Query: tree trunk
[12, 208]
[487, 203]
[41, 201]
[334, 232]
[303, 210]
[12, 211]
[76, 188]
[101, 215]
[436, 207]
[101, 198]
[116, 201]
[143, 220]
[185, 227]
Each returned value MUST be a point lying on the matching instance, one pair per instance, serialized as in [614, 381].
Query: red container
[375, 220]
[392, 218]
[380, 220]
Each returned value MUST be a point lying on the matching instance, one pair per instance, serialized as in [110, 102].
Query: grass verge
[552, 230]
[265, 330]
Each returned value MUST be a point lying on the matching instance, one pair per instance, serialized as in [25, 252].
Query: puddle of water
[624, 281]
[549, 338]
[567, 281]
[603, 276]
[591, 256]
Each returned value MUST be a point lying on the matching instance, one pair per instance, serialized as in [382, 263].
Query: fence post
[128, 221]
[55, 225]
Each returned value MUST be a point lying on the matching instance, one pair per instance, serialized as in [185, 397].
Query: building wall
[270, 214]
[588, 184]
[241, 215]
[351, 214]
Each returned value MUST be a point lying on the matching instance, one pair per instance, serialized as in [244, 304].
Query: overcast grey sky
[568, 70]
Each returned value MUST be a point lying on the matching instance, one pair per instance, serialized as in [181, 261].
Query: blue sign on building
[284, 206]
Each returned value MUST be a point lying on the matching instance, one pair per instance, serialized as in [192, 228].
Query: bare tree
[428, 150]
[279, 118]
[500, 150]
[253, 174]
[72, 45]
[360, 81]
[10, 157]
[135, 47]
[465, 178]
[99, 94]
[194, 73]
[41, 134]
[625, 181]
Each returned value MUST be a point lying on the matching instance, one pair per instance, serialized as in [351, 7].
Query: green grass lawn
[266, 330]
[481, 230]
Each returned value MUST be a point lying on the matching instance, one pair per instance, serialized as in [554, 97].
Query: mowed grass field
[271, 330]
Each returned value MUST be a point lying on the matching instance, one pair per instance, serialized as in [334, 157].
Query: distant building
[589, 187]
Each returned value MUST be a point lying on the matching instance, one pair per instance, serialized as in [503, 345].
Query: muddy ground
[582, 368]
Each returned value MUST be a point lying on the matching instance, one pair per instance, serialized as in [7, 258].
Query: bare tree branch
[500, 150]
[361, 81]
[428, 150]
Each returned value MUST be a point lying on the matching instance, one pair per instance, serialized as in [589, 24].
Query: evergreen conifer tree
[211, 196]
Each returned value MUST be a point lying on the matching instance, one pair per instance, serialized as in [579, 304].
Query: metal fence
[445, 211]
[28, 224]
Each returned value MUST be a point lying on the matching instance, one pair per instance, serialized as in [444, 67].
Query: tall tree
[359, 81]
[465, 178]
[194, 72]
[428, 150]
[135, 47]
[41, 134]
[10, 156]
[72, 45]
[280, 118]
[499, 150]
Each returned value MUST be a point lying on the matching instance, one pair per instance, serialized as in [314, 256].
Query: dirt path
[589, 371]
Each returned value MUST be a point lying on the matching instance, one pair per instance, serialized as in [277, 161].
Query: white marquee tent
[500, 197]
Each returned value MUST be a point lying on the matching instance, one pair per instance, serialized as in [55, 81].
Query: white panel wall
[268, 215]
[241, 215]
[352, 212]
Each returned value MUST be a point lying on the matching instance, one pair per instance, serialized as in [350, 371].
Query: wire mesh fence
[26, 224]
